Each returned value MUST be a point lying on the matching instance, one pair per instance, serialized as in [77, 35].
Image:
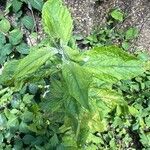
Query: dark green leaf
[28, 22]
[23, 48]
[37, 4]
[28, 139]
[16, 5]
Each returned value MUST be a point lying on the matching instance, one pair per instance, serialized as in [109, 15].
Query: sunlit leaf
[57, 20]
[111, 64]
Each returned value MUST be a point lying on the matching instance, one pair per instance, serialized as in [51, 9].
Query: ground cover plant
[60, 97]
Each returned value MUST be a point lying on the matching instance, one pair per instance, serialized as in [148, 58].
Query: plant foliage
[58, 97]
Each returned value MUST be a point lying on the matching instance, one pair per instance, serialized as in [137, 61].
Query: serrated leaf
[4, 25]
[111, 64]
[18, 70]
[15, 36]
[58, 24]
[28, 22]
[32, 62]
[117, 15]
[78, 80]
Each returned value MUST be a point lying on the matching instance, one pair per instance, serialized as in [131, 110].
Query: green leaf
[4, 25]
[15, 36]
[37, 4]
[78, 80]
[28, 22]
[2, 40]
[111, 64]
[23, 48]
[32, 62]
[117, 15]
[28, 139]
[3, 121]
[27, 98]
[8, 72]
[16, 5]
[7, 49]
[1, 138]
[110, 97]
[131, 33]
[58, 24]
[125, 45]
[133, 111]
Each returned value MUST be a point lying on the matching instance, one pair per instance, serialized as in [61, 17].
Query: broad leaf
[16, 5]
[8, 72]
[57, 20]
[78, 80]
[110, 97]
[18, 70]
[117, 15]
[28, 22]
[15, 36]
[132, 33]
[32, 62]
[111, 64]
[37, 4]
[4, 25]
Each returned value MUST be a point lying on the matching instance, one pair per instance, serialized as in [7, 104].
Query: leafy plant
[111, 33]
[76, 88]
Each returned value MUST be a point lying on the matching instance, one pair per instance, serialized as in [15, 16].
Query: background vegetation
[29, 120]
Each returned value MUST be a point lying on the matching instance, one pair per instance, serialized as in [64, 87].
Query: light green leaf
[133, 111]
[131, 33]
[4, 25]
[125, 45]
[96, 124]
[57, 20]
[78, 80]
[110, 97]
[15, 36]
[117, 15]
[111, 64]
[32, 62]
